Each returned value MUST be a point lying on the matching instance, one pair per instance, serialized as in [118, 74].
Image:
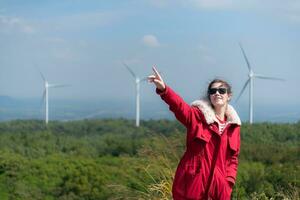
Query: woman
[208, 167]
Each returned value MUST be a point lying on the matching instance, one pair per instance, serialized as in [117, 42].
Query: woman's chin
[219, 104]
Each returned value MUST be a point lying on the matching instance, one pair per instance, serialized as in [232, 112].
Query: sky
[84, 43]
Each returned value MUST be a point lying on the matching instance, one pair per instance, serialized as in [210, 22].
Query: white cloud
[27, 29]
[294, 18]
[15, 24]
[9, 21]
[150, 41]
[292, 11]
[212, 4]
[64, 54]
[83, 20]
[202, 4]
[71, 22]
[159, 3]
[56, 40]
[288, 9]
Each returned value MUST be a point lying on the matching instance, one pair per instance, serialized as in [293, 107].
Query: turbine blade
[130, 70]
[245, 57]
[144, 79]
[42, 75]
[244, 87]
[58, 85]
[268, 77]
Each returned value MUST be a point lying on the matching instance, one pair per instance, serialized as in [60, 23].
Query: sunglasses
[214, 90]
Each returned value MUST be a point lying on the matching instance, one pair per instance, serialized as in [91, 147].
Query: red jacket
[209, 164]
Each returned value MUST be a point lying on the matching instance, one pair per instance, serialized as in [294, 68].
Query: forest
[113, 159]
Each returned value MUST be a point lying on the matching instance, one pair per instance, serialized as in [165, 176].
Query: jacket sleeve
[232, 164]
[176, 104]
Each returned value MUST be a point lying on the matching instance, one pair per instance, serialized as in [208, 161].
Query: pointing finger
[151, 76]
[156, 73]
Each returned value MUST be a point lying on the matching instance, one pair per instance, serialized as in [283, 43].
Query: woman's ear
[229, 97]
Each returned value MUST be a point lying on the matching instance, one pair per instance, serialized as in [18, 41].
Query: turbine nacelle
[251, 74]
[137, 80]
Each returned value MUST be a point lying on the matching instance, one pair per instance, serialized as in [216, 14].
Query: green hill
[111, 159]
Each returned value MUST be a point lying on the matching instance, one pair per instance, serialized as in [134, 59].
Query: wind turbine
[137, 84]
[46, 95]
[250, 81]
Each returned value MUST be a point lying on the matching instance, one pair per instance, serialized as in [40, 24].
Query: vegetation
[112, 159]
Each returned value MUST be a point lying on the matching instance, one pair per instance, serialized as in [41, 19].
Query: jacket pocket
[233, 142]
[193, 182]
[202, 133]
[223, 186]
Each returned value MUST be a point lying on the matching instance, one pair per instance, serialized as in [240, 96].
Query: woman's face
[218, 95]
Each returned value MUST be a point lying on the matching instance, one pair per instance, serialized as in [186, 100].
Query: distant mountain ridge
[68, 110]
[6, 100]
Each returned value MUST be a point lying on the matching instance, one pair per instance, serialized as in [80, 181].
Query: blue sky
[83, 43]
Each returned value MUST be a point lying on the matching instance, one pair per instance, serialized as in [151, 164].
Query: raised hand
[157, 80]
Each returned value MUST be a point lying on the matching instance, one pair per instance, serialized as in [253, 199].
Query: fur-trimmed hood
[209, 113]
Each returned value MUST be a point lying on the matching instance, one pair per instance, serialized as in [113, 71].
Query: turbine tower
[137, 84]
[250, 81]
[46, 95]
